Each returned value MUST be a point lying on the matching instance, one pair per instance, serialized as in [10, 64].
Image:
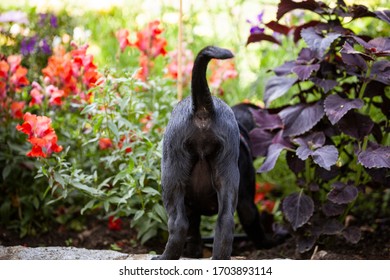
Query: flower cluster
[12, 75]
[70, 73]
[12, 80]
[41, 135]
[257, 26]
[262, 192]
[221, 70]
[149, 42]
[106, 143]
[187, 64]
[36, 43]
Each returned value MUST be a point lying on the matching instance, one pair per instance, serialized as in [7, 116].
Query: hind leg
[173, 198]
[193, 247]
[227, 192]
[247, 211]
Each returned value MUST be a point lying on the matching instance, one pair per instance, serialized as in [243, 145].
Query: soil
[374, 244]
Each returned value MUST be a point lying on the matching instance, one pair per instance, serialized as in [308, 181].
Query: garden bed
[374, 244]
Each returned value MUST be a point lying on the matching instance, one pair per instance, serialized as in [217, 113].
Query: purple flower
[53, 21]
[27, 46]
[255, 28]
[45, 47]
[42, 19]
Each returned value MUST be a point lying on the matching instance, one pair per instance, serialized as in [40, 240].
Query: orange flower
[72, 72]
[105, 143]
[148, 122]
[40, 134]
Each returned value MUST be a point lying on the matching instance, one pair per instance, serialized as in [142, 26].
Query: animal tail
[201, 96]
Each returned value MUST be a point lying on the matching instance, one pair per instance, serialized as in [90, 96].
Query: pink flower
[36, 94]
[55, 95]
[123, 37]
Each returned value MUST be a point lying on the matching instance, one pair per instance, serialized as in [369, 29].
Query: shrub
[334, 128]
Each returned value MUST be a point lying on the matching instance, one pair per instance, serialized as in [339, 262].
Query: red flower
[17, 109]
[124, 140]
[150, 44]
[262, 190]
[114, 223]
[145, 64]
[259, 197]
[12, 75]
[4, 68]
[268, 205]
[40, 134]
[149, 41]
[105, 143]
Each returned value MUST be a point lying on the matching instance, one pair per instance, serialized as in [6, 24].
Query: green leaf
[89, 190]
[58, 178]
[6, 171]
[120, 176]
[160, 210]
[152, 232]
[106, 205]
[89, 205]
[113, 128]
[89, 108]
[151, 191]
[142, 180]
[98, 123]
[139, 214]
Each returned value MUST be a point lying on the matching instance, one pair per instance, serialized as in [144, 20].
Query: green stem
[307, 172]
[359, 166]
[366, 80]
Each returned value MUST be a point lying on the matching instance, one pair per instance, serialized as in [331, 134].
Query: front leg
[227, 190]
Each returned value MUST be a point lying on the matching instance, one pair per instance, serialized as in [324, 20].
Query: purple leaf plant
[334, 130]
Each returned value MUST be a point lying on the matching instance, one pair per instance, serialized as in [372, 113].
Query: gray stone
[64, 253]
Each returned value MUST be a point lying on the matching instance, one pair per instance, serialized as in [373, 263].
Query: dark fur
[247, 211]
[200, 174]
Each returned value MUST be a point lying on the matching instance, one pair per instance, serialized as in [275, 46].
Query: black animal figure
[200, 174]
[248, 213]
